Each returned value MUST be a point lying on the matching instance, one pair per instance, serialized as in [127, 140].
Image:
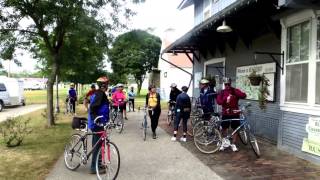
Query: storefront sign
[312, 143]
[252, 92]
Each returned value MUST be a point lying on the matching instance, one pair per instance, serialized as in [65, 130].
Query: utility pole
[57, 89]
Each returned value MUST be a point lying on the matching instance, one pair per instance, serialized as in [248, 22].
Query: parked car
[11, 92]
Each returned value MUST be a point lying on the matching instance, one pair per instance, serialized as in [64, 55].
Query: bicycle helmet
[103, 82]
[120, 85]
[173, 85]
[204, 81]
[71, 84]
[227, 80]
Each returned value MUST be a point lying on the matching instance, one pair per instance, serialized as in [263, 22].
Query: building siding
[198, 12]
[264, 123]
[293, 130]
[220, 5]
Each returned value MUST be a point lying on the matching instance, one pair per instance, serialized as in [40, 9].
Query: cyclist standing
[183, 109]
[72, 95]
[207, 98]
[119, 99]
[88, 95]
[153, 103]
[99, 106]
[131, 98]
[173, 95]
[228, 99]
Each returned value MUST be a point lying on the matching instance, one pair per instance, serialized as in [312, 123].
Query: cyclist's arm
[147, 99]
[96, 103]
[240, 94]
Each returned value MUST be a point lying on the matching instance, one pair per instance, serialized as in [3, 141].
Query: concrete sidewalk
[19, 110]
[158, 159]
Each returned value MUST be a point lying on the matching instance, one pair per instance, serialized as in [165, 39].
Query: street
[19, 110]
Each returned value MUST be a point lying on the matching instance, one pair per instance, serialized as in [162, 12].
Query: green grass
[40, 150]
[40, 96]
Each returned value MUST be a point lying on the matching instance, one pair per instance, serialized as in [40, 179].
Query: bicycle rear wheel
[254, 144]
[207, 139]
[109, 166]
[72, 152]
[243, 136]
[119, 122]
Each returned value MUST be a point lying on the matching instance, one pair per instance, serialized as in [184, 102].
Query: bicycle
[117, 118]
[207, 134]
[171, 113]
[108, 158]
[69, 106]
[144, 124]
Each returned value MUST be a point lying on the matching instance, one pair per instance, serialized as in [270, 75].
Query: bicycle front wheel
[254, 144]
[207, 139]
[73, 151]
[108, 163]
[243, 136]
[119, 123]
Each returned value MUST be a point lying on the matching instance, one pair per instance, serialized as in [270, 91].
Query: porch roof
[247, 18]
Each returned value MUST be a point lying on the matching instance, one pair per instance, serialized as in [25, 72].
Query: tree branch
[20, 30]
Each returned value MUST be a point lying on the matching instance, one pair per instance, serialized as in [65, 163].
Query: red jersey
[227, 108]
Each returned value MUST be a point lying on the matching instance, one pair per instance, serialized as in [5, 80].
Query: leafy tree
[51, 22]
[135, 53]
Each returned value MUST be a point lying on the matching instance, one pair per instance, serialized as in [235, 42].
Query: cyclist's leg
[176, 123]
[73, 105]
[157, 113]
[235, 125]
[132, 101]
[185, 117]
[95, 139]
[225, 125]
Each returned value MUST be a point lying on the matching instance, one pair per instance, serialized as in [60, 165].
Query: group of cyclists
[228, 98]
[99, 102]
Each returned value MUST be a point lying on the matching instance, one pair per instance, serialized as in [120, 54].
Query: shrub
[14, 130]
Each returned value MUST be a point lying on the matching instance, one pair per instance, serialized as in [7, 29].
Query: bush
[14, 130]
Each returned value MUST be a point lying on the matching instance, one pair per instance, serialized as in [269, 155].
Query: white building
[170, 73]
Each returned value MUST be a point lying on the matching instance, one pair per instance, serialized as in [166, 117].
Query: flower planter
[255, 81]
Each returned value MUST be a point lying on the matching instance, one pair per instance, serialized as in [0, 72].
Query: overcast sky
[156, 14]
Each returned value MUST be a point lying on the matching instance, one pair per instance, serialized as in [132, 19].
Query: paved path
[158, 159]
[19, 110]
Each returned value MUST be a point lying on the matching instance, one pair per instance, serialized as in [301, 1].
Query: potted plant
[255, 79]
[264, 92]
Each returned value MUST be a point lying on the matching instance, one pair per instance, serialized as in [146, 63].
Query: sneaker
[222, 146]
[154, 136]
[125, 118]
[173, 138]
[234, 148]
[183, 139]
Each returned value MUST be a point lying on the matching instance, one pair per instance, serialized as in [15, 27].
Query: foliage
[140, 56]
[14, 130]
[264, 92]
[51, 24]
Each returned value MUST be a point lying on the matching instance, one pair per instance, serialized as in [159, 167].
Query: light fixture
[224, 28]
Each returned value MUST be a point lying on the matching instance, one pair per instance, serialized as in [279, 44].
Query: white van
[11, 92]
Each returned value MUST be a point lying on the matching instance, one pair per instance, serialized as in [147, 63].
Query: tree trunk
[139, 83]
[51, 80]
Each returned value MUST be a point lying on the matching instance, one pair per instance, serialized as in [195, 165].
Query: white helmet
[173, 85]
[204, 81]
[120, 85]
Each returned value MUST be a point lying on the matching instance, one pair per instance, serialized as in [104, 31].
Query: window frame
[206, 9]
[310, 107]
[5, 88]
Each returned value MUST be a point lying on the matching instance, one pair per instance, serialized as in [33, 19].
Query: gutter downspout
[179, 68]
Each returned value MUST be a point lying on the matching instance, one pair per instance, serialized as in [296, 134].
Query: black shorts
[234, 124]
[121, 107]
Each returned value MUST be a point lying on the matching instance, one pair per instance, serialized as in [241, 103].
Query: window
[206, 9]
[318, 63]
[297, 62]
[2, 87]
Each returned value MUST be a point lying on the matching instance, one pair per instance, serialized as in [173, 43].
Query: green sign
[312, 143]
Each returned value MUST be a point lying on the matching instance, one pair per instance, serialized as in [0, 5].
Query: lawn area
[39, 151]
[40, 96]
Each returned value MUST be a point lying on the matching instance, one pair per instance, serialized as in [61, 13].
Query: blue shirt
[207, 99]
[72, 93]
[99, 106]
[183, 101]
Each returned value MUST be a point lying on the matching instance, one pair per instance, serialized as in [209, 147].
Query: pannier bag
[79, 122]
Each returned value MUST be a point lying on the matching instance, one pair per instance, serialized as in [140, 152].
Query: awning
[248, 19]
[185, 3]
